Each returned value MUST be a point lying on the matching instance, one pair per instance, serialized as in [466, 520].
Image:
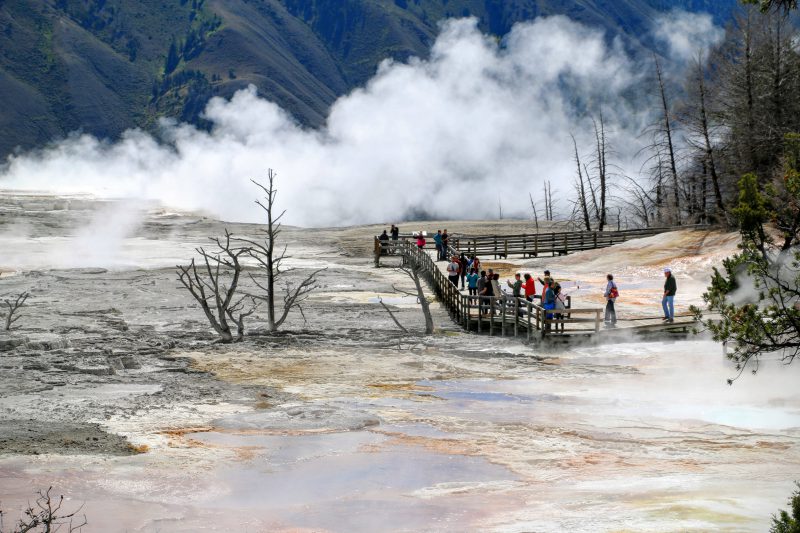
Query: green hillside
[103, 66]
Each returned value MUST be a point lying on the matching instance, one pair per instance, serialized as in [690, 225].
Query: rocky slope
[102, 66]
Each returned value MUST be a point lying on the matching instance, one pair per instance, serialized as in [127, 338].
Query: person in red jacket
[530, 287]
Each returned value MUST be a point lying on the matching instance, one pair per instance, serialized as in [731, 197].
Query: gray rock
[8, 343]
[36, 366]
[96, 370]
[309, 417]
[46, 342]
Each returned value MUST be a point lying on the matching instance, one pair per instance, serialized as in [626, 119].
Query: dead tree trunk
[711, 166]
[423, 301]
[535, 214]
[602, 170]
[584, 204]
[548, 201]
[208, 287]
[748, 69]
[668, 137]
[270, 262]
[414, 272]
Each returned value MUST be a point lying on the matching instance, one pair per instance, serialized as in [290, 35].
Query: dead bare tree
[535, 213]
[270, 260]
[14, 306]
[217, 298]
[601, 165]
[667, 133]
[45, 516]
[415, 272]
[639, 201]
[696, 119]
[548, 201]
[584, 204]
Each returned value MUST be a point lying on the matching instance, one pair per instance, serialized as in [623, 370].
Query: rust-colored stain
[436, 445]
[407, 391]
[773, 445]
[400, 387]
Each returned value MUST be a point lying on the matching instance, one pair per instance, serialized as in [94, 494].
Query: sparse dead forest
[727, 117]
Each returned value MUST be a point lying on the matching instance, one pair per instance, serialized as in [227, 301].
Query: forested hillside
[103, 66]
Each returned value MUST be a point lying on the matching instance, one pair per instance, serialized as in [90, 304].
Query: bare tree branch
[14, 306]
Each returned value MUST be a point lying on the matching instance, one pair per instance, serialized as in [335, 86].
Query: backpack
[614, 292]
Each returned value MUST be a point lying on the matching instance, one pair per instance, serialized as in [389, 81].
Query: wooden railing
[533, 245]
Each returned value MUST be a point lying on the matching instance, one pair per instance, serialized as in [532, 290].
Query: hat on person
[668, 269]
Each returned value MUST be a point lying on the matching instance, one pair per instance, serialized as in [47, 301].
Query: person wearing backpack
[611, 294]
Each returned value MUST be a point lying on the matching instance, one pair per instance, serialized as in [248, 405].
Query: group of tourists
[552, 298]
[467, 272]
[667, 299]
[394, 232]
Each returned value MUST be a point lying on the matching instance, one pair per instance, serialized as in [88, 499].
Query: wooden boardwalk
[505, 315]
[562, 243]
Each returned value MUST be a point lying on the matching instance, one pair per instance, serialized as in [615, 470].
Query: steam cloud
[450, 136]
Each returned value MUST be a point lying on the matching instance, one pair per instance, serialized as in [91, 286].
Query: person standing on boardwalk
[496, 290]
[420, 240]
[530, 287]
[463, 263]
[395, 232]
[516, 287]
[611, 294]
[452, 270]
[475, 263]
[472, 282]
[445, 244]
[485, 290]
[545, 283]
[437, 239]
[384, 238]
[668, 301]
[548, 300]
[516, 290]
[560, 306]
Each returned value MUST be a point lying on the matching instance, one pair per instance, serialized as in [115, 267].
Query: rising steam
[447, 136]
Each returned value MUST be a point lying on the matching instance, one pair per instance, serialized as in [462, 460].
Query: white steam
[687, 35]
[447, 136]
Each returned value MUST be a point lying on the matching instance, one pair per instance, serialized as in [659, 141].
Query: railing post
[530, 311]
[491, 315]
[516, 317]
[597, 321]
[536, 245]
[465, 311]
[503, 316]
[505, 248]
[595, 239]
